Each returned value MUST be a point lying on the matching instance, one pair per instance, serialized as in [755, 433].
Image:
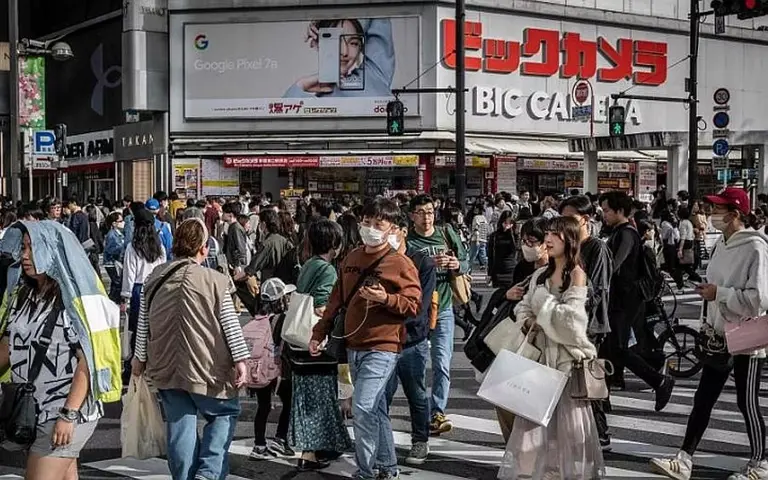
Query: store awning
[623, 156]
[528, 147]
[703, 154]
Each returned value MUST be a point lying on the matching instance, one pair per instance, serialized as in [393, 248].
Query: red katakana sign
[545, 53]
[279, 161]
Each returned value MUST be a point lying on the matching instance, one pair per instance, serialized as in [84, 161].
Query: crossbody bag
[19, 411]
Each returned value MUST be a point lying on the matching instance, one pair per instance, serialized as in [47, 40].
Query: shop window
[250, 179]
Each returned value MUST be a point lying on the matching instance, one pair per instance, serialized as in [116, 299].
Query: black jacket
[417, 328]
[502, 258]
[598, 265]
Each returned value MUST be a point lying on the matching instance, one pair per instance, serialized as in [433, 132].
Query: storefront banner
[94, 147]
[371, 161]
[471, 161]
[134, 141]
[615, 167]
[321, 68]
[536, 164]
[32, 93]
[281, 162]
[521, 70]
[646, 181]
[506, 175]
[217, 180]
[186, 177]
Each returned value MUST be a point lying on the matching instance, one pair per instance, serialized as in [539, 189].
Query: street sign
[721, 133]
[44, 142]
[583, 112]
[722, 96]
[721, 119]
[581, 93]
[720, 147]
[719, 24]
[719, 163]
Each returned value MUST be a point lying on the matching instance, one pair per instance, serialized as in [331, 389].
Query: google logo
[201, 42]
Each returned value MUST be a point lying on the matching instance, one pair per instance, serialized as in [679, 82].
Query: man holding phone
[444, 246]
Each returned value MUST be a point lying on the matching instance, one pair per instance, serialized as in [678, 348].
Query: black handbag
[19, 409]
[712, 350]
[336, 347]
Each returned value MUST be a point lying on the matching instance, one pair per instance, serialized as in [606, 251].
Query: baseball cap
[274, 289]
[152, 204]
[731, 196]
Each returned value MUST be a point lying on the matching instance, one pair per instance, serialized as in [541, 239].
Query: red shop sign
[262, 161]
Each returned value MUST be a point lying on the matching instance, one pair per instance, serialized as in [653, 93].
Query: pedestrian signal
[616, 115]
[395, 120]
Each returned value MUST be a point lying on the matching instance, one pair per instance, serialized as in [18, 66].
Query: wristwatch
[69, 415]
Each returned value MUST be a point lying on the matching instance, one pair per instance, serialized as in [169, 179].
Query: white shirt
[686, 230]
[136, 269]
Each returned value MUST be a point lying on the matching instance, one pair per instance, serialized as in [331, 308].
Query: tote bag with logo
[299, 321]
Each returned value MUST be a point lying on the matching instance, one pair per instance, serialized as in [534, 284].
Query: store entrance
[103, 188]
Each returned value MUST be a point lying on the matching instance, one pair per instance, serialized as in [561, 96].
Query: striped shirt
[230, 325]
[480, 229]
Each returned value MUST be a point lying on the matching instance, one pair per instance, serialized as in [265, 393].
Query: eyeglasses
[424, 213]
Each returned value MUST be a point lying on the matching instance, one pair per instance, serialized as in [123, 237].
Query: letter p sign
[44, 142]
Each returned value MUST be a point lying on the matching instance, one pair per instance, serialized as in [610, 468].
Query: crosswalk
[639, 433]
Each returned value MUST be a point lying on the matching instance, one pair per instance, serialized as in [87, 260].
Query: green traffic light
[618, 129]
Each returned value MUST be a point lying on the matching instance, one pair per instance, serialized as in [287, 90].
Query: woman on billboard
[356, 58]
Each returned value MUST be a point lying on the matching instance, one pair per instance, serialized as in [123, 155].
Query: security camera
[61, 51]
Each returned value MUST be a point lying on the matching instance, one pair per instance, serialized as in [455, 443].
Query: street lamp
[56, 49]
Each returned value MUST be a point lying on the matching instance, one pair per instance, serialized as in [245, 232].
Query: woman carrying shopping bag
[553, 313]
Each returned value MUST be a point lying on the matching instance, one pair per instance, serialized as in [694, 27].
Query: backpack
[289, 267]
[264, 363]
[650, 280]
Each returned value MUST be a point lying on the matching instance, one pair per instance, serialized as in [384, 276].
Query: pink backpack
[264, 365]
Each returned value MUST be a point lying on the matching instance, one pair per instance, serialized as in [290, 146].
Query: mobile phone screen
[328, 51]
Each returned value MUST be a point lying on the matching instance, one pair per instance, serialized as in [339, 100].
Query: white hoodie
[739, 268]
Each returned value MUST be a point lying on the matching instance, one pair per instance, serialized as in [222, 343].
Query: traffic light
[395, 120]
[616, 116]
[60, 143]
[743, 9]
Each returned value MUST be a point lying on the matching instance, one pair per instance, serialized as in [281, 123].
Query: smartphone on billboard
[351, 63]
[328, 51]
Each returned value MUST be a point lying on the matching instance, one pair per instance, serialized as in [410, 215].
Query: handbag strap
[363, 275]
[41, 347]
[162, 280]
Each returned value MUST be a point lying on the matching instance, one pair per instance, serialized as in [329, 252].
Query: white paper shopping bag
[523, 387]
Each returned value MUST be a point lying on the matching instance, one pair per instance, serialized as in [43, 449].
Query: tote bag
[747, 335]
[299, 321]
[523, 387]
[508, 335]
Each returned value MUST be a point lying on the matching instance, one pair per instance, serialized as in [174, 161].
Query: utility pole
[693, 110]
[14, 129]
[461, 161]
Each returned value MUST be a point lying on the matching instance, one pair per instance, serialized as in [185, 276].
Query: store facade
[289, 120]
[89, 168]
[136, 152]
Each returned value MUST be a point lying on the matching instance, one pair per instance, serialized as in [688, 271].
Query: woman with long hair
[502, 251]
[351, 238]
[288, 227]
[553, 314]
[142, 255]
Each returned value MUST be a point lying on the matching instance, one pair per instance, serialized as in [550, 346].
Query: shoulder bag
[336, 346]
[712, 349]
[461, 283]
[588, 379]
[19, 409]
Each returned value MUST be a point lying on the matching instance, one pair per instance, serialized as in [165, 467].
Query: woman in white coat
[554, 308]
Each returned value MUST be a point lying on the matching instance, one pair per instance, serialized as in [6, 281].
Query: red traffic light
[750, 4]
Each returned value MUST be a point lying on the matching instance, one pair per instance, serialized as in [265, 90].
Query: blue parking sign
[44, 142]
[720, 147]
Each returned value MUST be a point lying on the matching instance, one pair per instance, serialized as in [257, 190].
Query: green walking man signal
[395, 120]
[616, 116]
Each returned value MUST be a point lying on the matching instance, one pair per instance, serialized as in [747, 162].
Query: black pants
[264, 397]
[600, 407]
[630, 317]
[747, 372]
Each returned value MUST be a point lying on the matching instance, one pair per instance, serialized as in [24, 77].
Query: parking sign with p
[44, 142]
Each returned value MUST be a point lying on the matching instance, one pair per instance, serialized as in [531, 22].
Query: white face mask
[531, 254]
[372, 237]
[718, 221]
[394, 242]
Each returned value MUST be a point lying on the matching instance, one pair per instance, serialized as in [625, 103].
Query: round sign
[582, 92]
[720, 147]
[722, 96]
[721, 119]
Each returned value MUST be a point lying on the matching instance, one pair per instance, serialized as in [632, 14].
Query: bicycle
[679, 343]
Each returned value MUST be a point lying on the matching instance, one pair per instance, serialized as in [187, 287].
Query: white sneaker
[678, 468]
[752, 471]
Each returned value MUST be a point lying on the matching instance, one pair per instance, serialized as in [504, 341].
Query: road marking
[676, 408]
[150, 469]
[724, 397]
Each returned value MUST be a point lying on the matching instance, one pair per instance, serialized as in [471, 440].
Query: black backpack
[289, 267]
[650, 280]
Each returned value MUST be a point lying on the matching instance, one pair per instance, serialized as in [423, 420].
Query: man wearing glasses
[444, 246]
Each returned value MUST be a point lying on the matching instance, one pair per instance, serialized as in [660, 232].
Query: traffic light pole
[693, 119]
[461, 161]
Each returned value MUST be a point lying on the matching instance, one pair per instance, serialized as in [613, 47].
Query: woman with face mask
[736, 288]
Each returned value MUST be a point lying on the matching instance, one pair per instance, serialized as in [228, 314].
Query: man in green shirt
[444, 245]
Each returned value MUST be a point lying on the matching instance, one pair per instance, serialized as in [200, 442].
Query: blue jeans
[188, 455]
[442, 352]
[374, 442]
[478, 251]
[411, 370]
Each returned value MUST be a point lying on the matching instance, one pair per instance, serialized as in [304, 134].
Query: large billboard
[341, 67]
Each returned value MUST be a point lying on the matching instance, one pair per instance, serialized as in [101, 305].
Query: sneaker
[664, 393]
[388, 475]
[752, 471]
[280, 447]
[678, 468]
[418, 454]
[440, 424]
[261, 453]
[605, 443]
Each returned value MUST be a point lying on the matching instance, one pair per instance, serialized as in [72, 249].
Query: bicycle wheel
[667, 291]
[679, 344]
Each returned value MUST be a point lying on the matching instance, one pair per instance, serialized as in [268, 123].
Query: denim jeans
[411, 370]
[442, 352]
[188, 455]
[478, 251]
[374, 442]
